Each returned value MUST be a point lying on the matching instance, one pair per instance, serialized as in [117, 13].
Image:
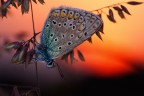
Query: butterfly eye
[54, 22]
[49, 64]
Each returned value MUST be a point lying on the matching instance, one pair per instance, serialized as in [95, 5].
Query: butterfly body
[65, 29]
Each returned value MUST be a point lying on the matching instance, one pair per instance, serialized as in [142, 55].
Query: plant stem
[32, 18]
[108, 6]
[34, 37]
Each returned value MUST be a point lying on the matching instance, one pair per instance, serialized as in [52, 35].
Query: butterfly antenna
[60, 71]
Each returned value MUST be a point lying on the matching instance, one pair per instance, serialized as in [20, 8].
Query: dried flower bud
[20, 55]
[15, 58]
[29, 56]
[13, 45]
[6, 4]
[23, 53]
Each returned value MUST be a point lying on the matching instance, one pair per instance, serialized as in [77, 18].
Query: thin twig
[34, 38]
[108, 6]
[32, 18]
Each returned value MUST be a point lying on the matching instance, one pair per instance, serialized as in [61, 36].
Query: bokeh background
[113, 64]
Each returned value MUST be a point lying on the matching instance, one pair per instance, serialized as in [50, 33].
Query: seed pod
[20, 55]
[13, 45]
[23, 53]
[29, 56]
[15, 58]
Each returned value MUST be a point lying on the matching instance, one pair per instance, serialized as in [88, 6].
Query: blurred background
[115, 64]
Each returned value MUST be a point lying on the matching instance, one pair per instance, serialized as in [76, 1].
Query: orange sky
[122, 42]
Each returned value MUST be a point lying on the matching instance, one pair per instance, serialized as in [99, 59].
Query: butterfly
[64, 29]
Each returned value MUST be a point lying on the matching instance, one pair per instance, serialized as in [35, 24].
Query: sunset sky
[123, 42]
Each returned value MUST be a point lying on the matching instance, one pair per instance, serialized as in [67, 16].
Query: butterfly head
[41, 55]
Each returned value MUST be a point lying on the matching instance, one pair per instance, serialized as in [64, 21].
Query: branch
[34, 38]
[116, 4]
[121, 9]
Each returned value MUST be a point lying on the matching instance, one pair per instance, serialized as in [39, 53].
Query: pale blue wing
[68, 27]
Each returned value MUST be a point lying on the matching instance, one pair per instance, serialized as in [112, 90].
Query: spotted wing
[66, 28]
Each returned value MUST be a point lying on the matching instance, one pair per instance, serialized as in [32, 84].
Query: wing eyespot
[64, 24]
[54, 22]
[73, 27]
[85, 33]
[56, 39]
[70, 25]
[70, 14]
[81, 19]
[51, 35]
[59, 48]
[69, 43]
[47, 25]
[76, 15]
[72, 36]
[63, 13]
[63, 35]
[59, 25]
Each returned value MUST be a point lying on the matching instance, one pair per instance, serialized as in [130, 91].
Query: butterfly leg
[59, 69]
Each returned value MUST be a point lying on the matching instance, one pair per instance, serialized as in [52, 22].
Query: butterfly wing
[66, 28]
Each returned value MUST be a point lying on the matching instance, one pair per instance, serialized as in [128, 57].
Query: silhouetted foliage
[134, 3]
[13, 90]
[111, 16]
[125, 9]
[89, 40]
[121, 9]
[80, 55]
[24, 51]
[24, 4]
